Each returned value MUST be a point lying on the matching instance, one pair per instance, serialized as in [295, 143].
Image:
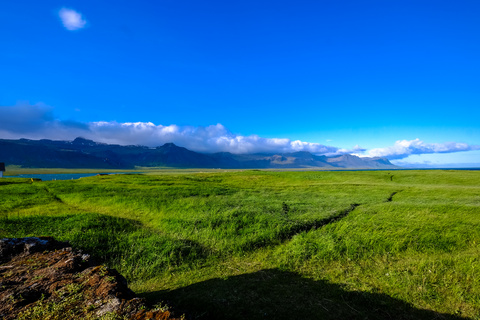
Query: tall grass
[410, 235]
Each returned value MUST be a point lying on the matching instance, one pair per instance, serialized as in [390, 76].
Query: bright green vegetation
[273, 245]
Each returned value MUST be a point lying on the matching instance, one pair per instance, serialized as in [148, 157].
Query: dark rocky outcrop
[43, 278]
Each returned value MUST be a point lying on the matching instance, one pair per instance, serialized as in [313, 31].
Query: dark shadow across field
[276, 294]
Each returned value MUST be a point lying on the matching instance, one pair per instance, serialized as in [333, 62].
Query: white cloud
[38, 122]
[214, 138]
[467, 159]
[404, 148]
[71, 19]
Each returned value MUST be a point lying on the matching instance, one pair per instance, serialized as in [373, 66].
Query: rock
[44, 278]
[15, 246]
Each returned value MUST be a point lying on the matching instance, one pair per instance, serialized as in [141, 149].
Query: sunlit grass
[410, 235]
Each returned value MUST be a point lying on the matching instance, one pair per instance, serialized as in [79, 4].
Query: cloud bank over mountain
[38, 122]
[214, 138]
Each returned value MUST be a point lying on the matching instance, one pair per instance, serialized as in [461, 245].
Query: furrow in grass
[390, 198]
[318, 223]
[53, 195]
[286, 234]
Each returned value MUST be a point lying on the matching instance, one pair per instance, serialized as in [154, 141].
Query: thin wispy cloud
[71, 19]
[357, 150]
[404, 148]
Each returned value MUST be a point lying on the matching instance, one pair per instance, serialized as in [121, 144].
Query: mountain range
[83, 153]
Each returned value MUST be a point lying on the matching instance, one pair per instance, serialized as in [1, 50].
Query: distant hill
[83, 153]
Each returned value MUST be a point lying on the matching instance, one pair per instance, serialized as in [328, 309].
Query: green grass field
[272, 245]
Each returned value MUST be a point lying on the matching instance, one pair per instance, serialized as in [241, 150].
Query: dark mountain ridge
[84, 153]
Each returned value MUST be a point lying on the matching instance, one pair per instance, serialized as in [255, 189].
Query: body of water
[57, 176]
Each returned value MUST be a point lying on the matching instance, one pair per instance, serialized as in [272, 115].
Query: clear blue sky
[334, 73]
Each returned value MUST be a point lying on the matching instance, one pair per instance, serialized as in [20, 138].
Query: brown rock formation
[41, 278]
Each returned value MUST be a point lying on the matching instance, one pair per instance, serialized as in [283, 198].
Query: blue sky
[376, 78]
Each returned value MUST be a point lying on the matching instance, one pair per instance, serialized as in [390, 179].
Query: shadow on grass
[109, 240]
[275, 294]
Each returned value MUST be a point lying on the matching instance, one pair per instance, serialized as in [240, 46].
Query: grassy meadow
[272, 245]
